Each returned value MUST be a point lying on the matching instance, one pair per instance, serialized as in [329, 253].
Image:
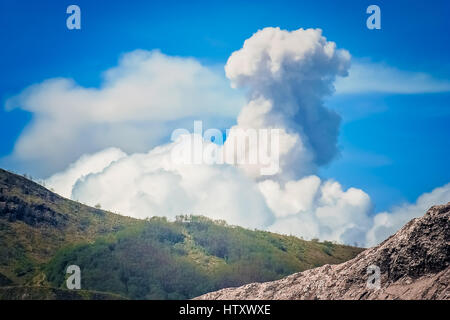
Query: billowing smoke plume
[287, 75]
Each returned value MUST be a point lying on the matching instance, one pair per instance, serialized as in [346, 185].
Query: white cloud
[148, 184]
[88, 164]
[366, 77]
[387, 223]
[137, 105]
[296, 197]
[314, 209]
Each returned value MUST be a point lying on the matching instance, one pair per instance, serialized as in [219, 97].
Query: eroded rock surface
[414, 264]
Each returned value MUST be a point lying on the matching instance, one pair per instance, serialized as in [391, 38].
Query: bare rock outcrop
[413, 264]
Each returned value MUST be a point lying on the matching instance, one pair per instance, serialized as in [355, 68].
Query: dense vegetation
[41, 234]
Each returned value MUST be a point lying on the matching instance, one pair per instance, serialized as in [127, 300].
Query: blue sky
[395, 146]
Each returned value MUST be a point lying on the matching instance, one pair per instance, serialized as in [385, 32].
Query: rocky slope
[413, 264]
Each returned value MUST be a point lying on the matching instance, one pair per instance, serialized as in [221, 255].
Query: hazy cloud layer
[367, 77]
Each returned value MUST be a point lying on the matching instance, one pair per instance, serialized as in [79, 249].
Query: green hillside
[42, 233]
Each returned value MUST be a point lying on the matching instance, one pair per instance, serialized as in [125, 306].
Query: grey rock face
[413, 264]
